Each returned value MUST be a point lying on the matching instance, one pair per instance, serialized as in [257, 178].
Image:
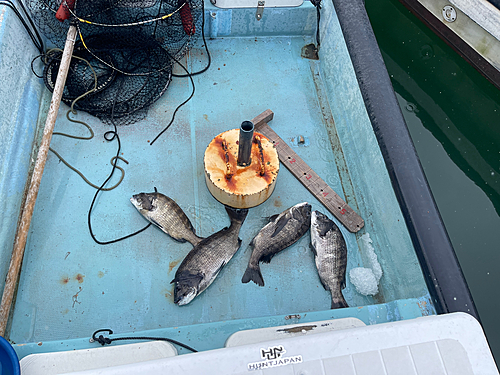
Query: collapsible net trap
[128, 46]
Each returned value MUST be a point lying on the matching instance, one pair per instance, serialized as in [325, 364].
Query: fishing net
[122, 61]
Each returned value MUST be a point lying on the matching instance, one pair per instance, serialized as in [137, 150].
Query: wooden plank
[311, 180]
[264, 117]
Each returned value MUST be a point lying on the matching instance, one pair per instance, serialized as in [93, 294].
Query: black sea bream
[167, 215]
[282, 231]
[330, 254]
[204, 262]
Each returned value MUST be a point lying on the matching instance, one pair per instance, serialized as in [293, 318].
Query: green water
[453, 114]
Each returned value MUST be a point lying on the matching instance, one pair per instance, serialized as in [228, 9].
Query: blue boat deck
[70, 286]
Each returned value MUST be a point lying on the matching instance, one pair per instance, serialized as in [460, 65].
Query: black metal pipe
[245, 144]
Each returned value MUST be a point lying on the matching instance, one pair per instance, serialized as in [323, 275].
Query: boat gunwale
[442, 271]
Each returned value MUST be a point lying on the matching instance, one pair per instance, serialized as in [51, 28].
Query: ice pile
[366, 279]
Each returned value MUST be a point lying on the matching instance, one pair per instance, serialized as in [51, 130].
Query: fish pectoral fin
[156, 223]
[186, 276]
[326, 228]
[297, 215]
[272, 218]
[220, 268]
[280, 224]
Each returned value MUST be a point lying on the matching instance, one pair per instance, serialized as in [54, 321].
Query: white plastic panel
[253, 336]
[444, 344]
[98, 358]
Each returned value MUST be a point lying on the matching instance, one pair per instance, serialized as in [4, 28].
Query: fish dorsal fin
[280, 224]
[325, 227]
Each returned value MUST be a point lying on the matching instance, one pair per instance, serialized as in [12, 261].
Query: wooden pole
[27, 213]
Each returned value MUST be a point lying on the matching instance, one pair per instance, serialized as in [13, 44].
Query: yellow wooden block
[235, 186]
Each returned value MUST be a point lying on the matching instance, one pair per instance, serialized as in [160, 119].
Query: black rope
[110, 136]
[189, 75]
[106, 340]
[317, 4]
[38, 43]
[206, 49]
[33, 68]
[180, 105]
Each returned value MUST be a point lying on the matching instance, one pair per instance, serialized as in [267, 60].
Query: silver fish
[204, 262]
[167, 215]
[282, 231]
[330, 254]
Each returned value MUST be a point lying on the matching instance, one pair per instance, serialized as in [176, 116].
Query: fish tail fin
[253, 273]
[237, 215]
[338, 302]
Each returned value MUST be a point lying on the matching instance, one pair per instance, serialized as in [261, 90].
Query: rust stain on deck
[424, 308]
[79, 277]
[172, 264]
[168, 293]
[64, 280]
[100, 274]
